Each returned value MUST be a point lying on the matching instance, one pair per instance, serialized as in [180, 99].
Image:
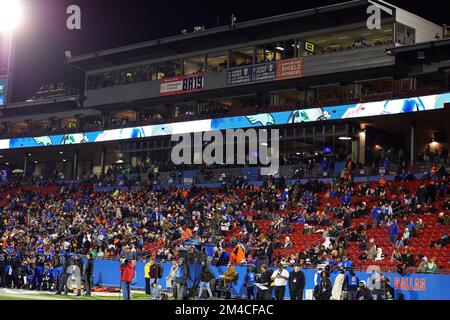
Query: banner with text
[270, 71]
[182, 84]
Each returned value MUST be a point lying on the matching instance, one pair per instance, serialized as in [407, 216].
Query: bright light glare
[10, 14]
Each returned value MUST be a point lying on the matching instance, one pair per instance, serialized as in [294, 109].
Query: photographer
[126, 277]
[205, 281]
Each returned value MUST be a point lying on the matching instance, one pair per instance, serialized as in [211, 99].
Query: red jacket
[127, 272]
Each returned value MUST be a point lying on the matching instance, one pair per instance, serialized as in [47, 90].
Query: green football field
[49, 296]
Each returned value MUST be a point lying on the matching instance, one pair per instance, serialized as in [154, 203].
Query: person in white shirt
[280, 278]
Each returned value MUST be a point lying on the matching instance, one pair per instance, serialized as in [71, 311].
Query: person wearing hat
[280, 279]
[296, 283]
[363, 293]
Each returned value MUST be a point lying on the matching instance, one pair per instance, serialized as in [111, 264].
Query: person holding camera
[126, 277]
[280, 278]
[205, 280]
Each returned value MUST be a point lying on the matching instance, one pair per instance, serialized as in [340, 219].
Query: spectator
[404, 240]
[375, 216]
[442, 242]
[431, 267]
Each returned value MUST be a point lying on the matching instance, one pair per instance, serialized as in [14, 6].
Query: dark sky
[43, 37]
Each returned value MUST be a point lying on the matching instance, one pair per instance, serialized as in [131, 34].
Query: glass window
[241, 57]
[270, 52]
[194, 65]
[173, 68]
[217, 62]
[158, 71]
[289, 49]
[127, 76]
[142, 73]
[400, 33]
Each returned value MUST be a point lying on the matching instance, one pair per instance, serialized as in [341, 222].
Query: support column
[75, 166]
[25, 165]
[362, 147]
[412, 157]
[102, 161]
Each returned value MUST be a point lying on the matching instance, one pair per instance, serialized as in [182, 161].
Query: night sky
[43, 36]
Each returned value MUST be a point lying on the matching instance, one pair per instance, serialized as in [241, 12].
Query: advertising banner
[270, 71]
[182, 84]
[412, 286]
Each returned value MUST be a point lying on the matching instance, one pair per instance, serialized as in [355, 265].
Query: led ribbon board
[360, 110]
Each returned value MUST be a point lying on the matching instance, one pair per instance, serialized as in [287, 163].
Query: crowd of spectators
[51, 217]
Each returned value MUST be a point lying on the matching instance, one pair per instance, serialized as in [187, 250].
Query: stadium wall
[412, 286]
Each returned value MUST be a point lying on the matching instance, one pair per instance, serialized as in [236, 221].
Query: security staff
[296, 283]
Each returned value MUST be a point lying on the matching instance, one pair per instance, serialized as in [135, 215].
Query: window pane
[241, 57]
[194, 65]
[127, 76]
[217, 62]
[173, 68]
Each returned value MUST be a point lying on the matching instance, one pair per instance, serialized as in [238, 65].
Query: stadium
[355, 204]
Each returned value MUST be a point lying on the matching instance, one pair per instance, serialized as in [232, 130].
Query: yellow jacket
[147, 270]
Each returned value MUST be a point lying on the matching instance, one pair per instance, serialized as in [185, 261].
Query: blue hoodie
[393, 229]
[375, 213]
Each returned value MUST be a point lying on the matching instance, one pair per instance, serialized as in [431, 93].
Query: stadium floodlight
[10, 14]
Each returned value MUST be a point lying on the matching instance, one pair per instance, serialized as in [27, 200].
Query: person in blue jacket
[249, 283]
[375, 215]
[346, 199]
[393, 232]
